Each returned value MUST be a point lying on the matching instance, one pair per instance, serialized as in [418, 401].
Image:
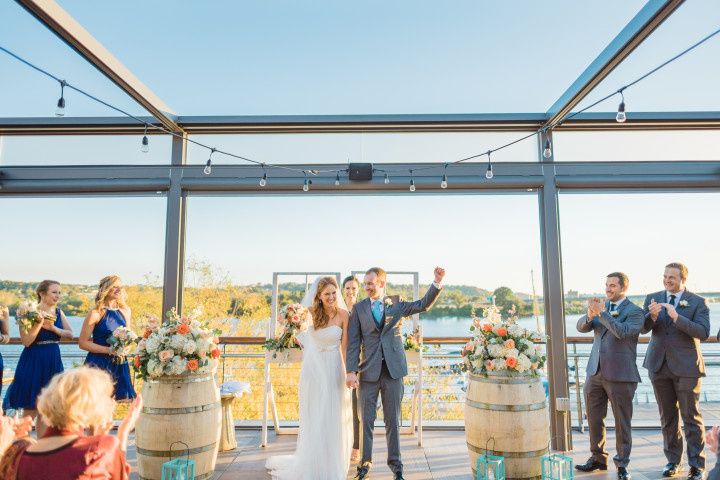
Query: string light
[60, 110]
[306, 185]
[337, 179]
[208, 165]
[145, 147]
[489, 172]
[412, 182]
[444, 181]
[547, 151]
[387, 179]
[263, 180]
[621, 117]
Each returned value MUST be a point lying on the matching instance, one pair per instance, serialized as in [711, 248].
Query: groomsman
[612, 372]
[679, 321]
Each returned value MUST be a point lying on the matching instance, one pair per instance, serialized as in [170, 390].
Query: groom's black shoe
[398, 476]
[363, 473]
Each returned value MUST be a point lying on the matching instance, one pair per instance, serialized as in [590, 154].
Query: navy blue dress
[120, 371]
[37, 365]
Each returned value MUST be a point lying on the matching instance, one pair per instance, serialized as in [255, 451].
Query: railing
[243, 359]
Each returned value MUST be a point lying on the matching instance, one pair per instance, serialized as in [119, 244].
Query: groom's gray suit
[377, 354]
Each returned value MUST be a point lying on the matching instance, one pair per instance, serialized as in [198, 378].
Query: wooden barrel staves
[183, 408]
[508, 416]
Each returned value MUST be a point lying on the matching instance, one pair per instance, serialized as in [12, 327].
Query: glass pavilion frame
[177, 179]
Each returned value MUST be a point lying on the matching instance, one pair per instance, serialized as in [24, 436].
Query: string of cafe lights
[620, 117]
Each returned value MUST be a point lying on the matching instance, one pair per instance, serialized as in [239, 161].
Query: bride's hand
[351, 380]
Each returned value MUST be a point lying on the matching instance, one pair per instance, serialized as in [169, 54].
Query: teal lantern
[179, 468]
[557, 467]
[490, 467]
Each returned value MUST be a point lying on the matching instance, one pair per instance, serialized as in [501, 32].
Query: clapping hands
[595, 307]
[655, 308]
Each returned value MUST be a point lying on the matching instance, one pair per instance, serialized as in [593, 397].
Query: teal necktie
[377, 313]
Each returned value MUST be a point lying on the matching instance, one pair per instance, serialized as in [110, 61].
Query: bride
[325, 405]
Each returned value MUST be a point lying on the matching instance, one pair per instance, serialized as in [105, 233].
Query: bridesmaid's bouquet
[122, 343]
[499, 345]
[179, 345]
[413, 341]
[27, 315]
[293, 319]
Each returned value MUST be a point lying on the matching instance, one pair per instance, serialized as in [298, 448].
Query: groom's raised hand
[439, 274]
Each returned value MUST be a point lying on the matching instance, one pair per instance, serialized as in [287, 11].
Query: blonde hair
[320, 318]
[106, 285]
[78, 398]
[43, 287]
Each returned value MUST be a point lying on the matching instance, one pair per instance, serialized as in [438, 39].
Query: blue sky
[370, 57]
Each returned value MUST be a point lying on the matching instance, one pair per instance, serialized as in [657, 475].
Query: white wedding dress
[325, 413]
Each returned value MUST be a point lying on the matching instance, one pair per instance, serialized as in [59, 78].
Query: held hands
[439, 274]
[351, 380]
[711, 439]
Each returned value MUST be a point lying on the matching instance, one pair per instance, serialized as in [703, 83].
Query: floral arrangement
[499, 345]
[122, 343]
[180, 345]
[413, 341]
[293, 319]
[27, 315]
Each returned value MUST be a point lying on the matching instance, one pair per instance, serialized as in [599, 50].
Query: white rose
[499, 364]
[512, 352]
[190, 347]
[495, 351]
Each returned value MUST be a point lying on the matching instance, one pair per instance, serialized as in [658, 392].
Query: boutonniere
[614, 313]
[683, 303]
[388, 302]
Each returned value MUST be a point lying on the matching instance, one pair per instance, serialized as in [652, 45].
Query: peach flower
[502, 331]
[511, 362]
[192, 365]
[486, 327]
[165, 355]
[509, 343]
[183, 329]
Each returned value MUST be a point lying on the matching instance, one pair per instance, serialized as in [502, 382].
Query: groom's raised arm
[352, 357]
[422, 305]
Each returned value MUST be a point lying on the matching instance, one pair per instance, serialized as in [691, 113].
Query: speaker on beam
[361, 172]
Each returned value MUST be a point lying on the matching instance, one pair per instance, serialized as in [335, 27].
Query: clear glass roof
[247, 58]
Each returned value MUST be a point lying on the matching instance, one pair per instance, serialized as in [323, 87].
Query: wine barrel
[508, 416]
[178, 409]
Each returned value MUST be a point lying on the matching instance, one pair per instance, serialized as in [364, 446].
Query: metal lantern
[490, 467]
[179, 468]
[557, 467]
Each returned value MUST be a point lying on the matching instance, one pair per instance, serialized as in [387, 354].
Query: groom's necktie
[672, 300]
[377, 313]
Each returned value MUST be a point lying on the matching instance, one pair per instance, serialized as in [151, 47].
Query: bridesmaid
[110, 312]
[350, 288]
[40, 360]
[4, 336]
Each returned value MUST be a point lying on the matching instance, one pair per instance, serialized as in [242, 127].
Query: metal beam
[524, 122]
[60, 22]
[175, 230]
[635, 32]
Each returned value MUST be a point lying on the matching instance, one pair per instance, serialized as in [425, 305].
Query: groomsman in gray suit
[679, 321]
[375, 354]
[612, 372]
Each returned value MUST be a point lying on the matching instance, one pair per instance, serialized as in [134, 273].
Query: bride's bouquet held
[293, 319]
[27, 315]
[180, 345]
[502, 346]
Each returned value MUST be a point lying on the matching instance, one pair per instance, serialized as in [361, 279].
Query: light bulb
[306, 186]
[208, 167]
[443, 183]
[145, 148]
[412, 185]
[547, 152]
[489, 173]
[60, 110]
[263, 180]
[387, 179]
[337, 179]
[621, 117]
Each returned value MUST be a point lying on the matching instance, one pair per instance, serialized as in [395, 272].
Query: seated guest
[612, 373]
[74, 402]
[712, 440]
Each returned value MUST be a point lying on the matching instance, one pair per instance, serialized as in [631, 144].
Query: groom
[375, 326]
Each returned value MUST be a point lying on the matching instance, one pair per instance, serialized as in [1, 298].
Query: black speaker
[361, 172]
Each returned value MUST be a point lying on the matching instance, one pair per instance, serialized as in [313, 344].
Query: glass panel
[671, 145]
[372, 148]
[484, 241]
[83, 150]
[639, 234]
[77, 241]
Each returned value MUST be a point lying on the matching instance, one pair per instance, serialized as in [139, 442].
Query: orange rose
[147, 333]
[192, 365]
[534, 366]
[502, 331]
[486, 327]
[509, 343]
[511, 362]
[215, 353]
[489, 365]
[183, 329]
[136, 361]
